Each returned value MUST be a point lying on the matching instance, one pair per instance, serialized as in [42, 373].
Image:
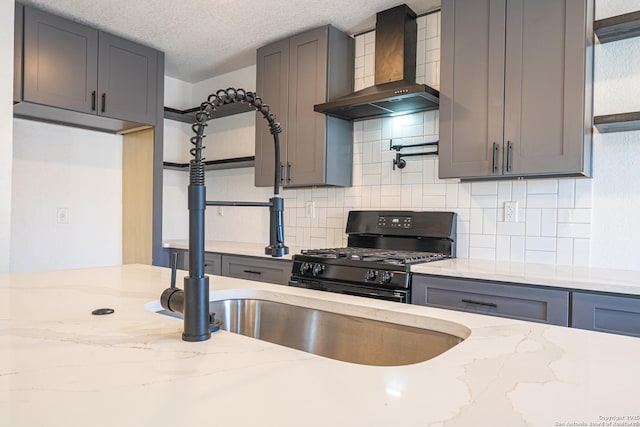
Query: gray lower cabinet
[74, 67]
[606, 313]
[259, 269]
[516, 88]
[293, 75]
[498, 299]
[212, 261]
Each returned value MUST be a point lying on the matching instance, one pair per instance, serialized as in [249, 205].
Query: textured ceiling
[205, 38]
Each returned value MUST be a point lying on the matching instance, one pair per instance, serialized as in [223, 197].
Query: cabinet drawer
[506, 300]
[212, 261]
[606, 313]
[261, 270]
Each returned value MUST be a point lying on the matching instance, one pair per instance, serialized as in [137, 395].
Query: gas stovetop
[383, 256]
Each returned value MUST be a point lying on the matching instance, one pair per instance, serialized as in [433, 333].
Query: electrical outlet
[311, 209]
[220, 211]
[62, 215]
[510, 211]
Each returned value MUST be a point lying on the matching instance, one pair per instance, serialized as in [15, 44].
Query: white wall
[6, 130]
[62, 167]
[227, 137]
[616, 156]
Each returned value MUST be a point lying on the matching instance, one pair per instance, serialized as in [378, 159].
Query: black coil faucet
[193, 301]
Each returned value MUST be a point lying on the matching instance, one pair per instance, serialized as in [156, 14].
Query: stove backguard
[403, 230]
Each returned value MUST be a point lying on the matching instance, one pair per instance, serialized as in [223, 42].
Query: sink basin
[337, 336]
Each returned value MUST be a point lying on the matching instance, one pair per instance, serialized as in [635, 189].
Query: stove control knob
[304, 267]
[386, 277]
[370, 275]
[317, 269]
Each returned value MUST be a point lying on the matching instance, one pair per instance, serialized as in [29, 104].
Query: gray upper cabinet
[71, 66]
[516, 88]
[293, 75]
[126, 80]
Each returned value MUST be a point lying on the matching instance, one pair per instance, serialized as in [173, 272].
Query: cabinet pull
[281, 172]
[486, 304]
[104, 102]
[93, 101]
[288, 172]
[494, 167]
[509, 150]
[252, 272]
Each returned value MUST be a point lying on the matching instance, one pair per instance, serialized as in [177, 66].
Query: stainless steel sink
[337, 336]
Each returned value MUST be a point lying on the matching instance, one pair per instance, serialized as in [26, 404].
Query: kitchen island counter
[60, 365]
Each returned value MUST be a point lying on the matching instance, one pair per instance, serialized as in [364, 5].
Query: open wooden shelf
[233, 163]
[617, 27]
[188, 115]
[621, 122]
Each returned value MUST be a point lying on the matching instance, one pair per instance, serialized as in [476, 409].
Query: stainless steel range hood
[395, 91]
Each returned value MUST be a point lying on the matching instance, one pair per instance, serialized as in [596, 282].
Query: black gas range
[382, 246]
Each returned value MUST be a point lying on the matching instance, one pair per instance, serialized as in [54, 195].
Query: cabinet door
[498, 299]
[471, 88]
[60, 62]
[606, 313]
[127, 80]
[547, 113]
[307, 87]
[258, 269]
[272, 76]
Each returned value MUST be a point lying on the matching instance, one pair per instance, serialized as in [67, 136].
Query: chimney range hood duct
[395, 91]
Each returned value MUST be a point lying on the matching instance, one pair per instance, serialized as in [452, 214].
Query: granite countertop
[59, 365]
[588, 279]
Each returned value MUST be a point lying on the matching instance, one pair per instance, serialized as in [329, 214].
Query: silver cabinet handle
[494, 167]
[509, 151]
[288, 172]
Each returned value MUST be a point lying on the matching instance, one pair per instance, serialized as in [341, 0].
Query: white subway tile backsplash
[554, 224]
[548, 222]
[489, 188]
[542, 186]
[547, 244]
[452, 196]
[511, 228]
[584, 193]
[433, 25]
[564, 251]
[438, 202]
[581, 252]
[542, 201]
[503, 248]
[482, 253]
[484, 201]
[489, 221]
[566, 193]
[580, 216]
[540, 257]
[462, 245]
[517, 249]
[534, 218]
[582, 231]
[475, 221]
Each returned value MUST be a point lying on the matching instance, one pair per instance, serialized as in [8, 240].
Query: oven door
[397, 295]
